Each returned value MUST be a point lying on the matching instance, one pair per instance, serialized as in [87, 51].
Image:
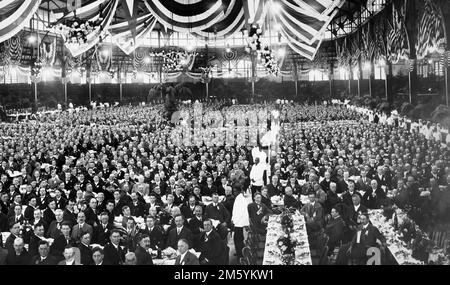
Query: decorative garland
[287, 243]
[176, 60]
[266, 54]
[76, 31]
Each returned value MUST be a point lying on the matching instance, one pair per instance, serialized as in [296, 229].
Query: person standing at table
[217, 211]
[257, 175]
[186, 257]
[240, 219]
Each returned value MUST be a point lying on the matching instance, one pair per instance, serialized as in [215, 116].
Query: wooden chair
[247, 254]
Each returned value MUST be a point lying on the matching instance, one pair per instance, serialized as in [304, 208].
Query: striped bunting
[186, 18]
[14, 15]
[303, 23]
[233, 21]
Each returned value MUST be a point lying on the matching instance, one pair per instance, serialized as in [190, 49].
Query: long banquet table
[397, 247]
[272, 254]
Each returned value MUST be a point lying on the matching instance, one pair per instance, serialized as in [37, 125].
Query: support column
[350, 76]
[253, 60]
[411, 18]
[331, 79]
[446, 72]
[388, 83]
[371, 78]
[207, 90]
[360, 77]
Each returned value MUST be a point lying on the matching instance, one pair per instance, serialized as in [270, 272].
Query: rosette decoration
[14, 15]
[85, 26]
[269, 61]
[254, 42]
[205, 76]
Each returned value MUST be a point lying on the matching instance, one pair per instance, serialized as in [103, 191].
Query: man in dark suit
[14, 229]
[186, 257]
[69, 214]
[366, 236]
[114, 254]
[256, 212]
[63, 240]
[179, 232]
[137, 207]
[289, 199]
[196, 226]
[143, 256]
[363, 184]
[85, 249]
[98, 256]
[35, 238]
[188, 209]
[29, 211]
[3, 221]
[347, 196]
[211, 246]
[155, 232]
[81, 227]
[335, 230]
[91, 213]
[209, 188]
[274, 188]
[44, 258]
[16, 215]
[54, 229]
[375, 197]
[103, 229]
[354, 211]
[19, 256]
[313, 213]
[217, 211]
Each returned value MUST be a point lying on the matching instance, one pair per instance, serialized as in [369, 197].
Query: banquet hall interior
[224, 132]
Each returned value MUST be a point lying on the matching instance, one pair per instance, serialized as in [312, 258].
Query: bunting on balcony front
[14, 15]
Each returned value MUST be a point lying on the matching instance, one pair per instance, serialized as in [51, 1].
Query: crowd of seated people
[113, 178]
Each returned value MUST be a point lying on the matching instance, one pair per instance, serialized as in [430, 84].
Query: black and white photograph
[234, 135]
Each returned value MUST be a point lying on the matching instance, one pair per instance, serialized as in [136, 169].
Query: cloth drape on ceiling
[187, 16]
[90, 12]
[14, 15]
[124, 37]
[303, 23]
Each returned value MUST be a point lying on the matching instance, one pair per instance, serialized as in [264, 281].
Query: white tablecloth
[398, 248]
[272, 254]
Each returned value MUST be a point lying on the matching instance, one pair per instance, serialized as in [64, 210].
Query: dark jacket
[189, 259]
[114, 256]
[143, 257]
[211, 248]
[173, 237]
[50, 260]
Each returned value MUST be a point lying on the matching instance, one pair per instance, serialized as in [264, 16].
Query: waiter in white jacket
[257, 175]
[240, 219]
